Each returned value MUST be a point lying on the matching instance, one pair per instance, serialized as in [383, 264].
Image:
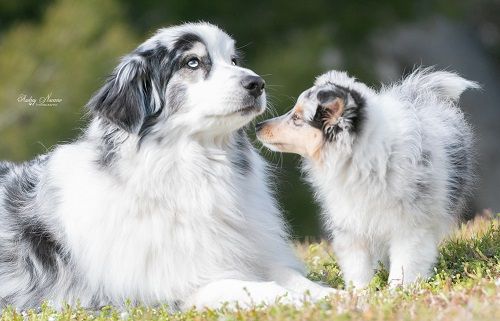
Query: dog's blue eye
[193, 63]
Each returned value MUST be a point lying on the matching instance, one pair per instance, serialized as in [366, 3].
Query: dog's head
[189, 75]
[332, 108]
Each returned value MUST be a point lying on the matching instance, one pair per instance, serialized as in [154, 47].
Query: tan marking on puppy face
[290, 133]
[299, 109]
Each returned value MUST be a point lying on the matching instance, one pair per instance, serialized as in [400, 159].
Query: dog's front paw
[235, 294]
[319, 292]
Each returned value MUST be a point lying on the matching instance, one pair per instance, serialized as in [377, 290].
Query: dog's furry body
[393, 172]
[162, 200]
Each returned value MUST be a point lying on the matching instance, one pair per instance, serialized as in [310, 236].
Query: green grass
[466, 286]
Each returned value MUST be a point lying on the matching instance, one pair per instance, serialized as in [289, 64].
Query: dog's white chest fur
[177, 224]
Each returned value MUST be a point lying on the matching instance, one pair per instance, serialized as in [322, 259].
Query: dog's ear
[124, 98]
[330, 108]
[334, 105]
[332, 111]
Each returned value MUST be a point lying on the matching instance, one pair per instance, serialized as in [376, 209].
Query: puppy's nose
[254, 84]
[325, 96]
[259, 126]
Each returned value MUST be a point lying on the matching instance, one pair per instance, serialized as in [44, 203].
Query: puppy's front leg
[237, 293]
[354, 257]
[412, 254]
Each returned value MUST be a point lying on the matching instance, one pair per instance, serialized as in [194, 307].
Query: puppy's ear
[334, 105]
[332, 111]
[123, 100]
[330, 108]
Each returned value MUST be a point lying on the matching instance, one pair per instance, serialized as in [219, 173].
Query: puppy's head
[186, 77]
[333, 107]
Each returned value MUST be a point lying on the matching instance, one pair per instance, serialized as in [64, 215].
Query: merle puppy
[393, 168]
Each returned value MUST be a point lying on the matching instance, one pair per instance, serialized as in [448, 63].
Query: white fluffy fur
[170, 227]
[386, 191]
[170, 219]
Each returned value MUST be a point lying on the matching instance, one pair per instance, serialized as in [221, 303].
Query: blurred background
[65, 49]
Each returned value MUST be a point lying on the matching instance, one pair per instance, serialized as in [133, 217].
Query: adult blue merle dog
[161, 200]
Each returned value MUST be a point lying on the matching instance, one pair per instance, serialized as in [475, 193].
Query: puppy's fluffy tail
[445, 85]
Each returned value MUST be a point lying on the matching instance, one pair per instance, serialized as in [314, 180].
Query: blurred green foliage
[67, 54]
[66, 48]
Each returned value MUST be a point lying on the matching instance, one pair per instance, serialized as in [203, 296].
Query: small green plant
[379, 281]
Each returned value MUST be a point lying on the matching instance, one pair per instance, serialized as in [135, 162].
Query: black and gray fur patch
[108, 147]
[127, 98]
[185, 43]
[460, 177]
[351, 119]
[121, 100]
[168, 65]
[21, 205]
[241, 158]
[4, 169]
[161, 65]
[33, 251]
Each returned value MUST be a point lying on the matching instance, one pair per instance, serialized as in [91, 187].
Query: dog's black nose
[259, 126]
[254, 84]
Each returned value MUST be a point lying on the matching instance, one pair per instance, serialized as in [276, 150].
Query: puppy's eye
[296, 119]
[193, 63]
[234, 62]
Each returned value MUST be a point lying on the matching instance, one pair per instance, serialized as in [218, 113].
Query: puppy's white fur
[393, 169]
[387, 192]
